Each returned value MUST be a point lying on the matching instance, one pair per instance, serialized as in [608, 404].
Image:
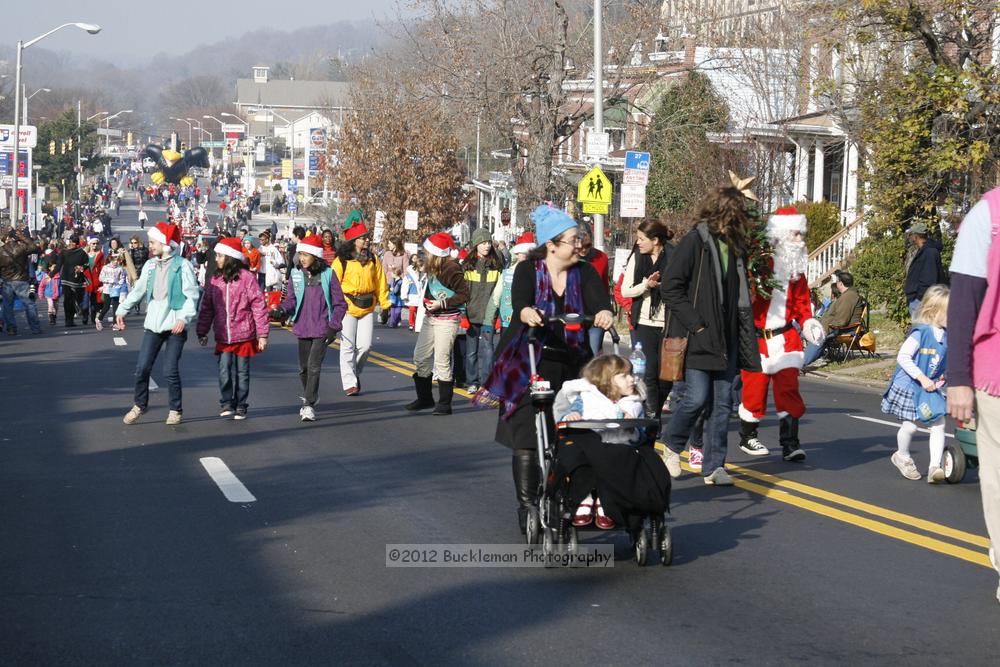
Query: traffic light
[62, 147]
[183, 146]
[128, 140]
[52, 147]
[69, 145]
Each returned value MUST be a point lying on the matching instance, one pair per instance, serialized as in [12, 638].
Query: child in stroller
[602, 446]
[606, 391]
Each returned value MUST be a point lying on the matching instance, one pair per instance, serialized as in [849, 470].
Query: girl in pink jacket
[234, 305]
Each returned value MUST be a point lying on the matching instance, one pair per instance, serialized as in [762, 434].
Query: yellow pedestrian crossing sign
[594, 192]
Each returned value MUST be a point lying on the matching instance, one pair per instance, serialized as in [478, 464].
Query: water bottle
[638, 360]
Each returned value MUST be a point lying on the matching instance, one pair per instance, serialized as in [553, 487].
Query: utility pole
[598, 107]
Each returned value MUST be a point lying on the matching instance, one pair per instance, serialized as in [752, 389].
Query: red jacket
[599, 260]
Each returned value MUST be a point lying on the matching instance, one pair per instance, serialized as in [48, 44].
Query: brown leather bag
[673, 350]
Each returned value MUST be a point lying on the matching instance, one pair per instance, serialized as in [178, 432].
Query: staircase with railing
[831, 255]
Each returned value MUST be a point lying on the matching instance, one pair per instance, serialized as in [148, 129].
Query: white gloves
[813, 331]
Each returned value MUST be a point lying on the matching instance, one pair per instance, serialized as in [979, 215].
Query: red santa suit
[780, 344]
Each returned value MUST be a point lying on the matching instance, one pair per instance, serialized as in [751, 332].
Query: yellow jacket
[358, 280]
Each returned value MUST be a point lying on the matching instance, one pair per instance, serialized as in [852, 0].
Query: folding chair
[854, 339]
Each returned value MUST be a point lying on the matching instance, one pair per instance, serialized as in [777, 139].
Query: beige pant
[434, 347]
[988, 445]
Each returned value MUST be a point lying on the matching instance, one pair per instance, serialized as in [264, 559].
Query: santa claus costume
[779, 316]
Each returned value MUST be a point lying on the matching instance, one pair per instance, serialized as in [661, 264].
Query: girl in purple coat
[234, 306]
[315, 306]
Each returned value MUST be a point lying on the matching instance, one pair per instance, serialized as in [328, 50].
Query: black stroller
[630, 479]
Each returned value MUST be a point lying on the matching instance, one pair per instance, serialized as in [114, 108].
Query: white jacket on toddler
[583, 397]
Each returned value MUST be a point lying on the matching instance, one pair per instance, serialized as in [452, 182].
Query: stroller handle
[567, 319]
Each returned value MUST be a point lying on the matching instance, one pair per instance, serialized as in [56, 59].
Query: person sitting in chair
[842, 313]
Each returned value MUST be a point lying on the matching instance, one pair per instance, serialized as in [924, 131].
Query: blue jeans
[813, 352]
[914, 306]
[148, 351]
[234, 381]
[20, 289]
[708, 392]
[478, 355]
[595, 336]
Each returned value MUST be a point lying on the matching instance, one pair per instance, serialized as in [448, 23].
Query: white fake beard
[790, 259]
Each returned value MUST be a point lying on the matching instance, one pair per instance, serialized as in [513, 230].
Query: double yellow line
[897, 525]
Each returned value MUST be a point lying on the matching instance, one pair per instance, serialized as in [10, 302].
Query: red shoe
[584, 514]
[602, 520]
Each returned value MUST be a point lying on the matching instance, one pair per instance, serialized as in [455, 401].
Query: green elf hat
[353, 217]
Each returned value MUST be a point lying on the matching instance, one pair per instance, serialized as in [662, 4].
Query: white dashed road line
[232, 488]
[120, 342]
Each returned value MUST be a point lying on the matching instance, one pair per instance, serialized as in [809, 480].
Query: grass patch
[888, 334]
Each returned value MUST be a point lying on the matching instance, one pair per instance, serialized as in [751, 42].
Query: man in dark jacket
[706, 292]
[924, 269]
[72, 279]
[14, 277]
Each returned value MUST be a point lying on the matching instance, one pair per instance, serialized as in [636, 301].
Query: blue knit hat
[550, 222]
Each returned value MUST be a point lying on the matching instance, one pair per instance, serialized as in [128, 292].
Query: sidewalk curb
[843, 379]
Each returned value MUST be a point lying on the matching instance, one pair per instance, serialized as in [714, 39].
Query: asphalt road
[117, 547]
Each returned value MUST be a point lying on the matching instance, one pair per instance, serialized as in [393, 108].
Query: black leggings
[110, 303]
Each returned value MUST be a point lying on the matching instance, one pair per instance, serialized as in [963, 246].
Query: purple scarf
[511, 374]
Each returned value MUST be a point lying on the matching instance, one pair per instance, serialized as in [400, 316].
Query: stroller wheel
[548, 545]
[666, 546]
[642, 544]
[572, 542]
[532, 526]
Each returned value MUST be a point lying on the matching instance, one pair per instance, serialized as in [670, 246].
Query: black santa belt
[768, 334]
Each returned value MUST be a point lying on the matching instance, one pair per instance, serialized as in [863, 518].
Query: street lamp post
[246, 166]
[201, 132]
[598, 106]
[24, 90]
[222, 131]
[79, 136]
[107, 139]
[21, 46]
[189, 129]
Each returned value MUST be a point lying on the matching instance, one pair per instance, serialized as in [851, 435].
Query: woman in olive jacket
[706, 291]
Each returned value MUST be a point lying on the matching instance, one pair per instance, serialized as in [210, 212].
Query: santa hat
[312, 245]
[785, 220]
[231, 247]
[166, 233]
[440, 244]
[525, 243]
[355, 230]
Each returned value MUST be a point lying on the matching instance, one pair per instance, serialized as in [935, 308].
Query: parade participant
[606, 390]
[272, 262]
[707, 296]
[921, 364]
[643, 275]
[550, 282]
[779, 315]
[411, 287]
[482, 272]
[974, 349]
[253, 260]
[364, 285]
[73, 279]
[316, 309]
[113, 285]
[234, 307]
[500, 302]
[599, 260]
[444, 291]
[170, 290]
[396, 300]
[94, 296]
[49, 284]
[329, 247]
[14, 278]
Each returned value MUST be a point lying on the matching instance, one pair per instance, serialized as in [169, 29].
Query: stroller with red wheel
[630, 479]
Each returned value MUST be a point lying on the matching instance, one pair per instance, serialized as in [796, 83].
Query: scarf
[644, 268]
[511, 375]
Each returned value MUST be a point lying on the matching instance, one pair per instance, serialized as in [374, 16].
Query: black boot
[788, 435]
[443, 406]
[52, 319]
[749, 442]
[425, 394]
[525, 467]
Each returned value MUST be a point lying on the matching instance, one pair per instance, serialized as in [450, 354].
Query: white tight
[905, 434]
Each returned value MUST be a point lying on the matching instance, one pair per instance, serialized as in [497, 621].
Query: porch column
[818, 172]
[801, 171]
[851, 182]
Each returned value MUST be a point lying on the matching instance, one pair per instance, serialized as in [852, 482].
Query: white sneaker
[672, 460]
[907, 468]
[98, 325]
[132, 416]
[719, 477]
[173, 418]
[226, 412]
[935, 475]
[307, 414]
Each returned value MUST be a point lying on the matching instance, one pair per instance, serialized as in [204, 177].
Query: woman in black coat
[550, 282]
[706, 291]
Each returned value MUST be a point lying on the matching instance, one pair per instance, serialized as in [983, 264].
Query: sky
[129, 27]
